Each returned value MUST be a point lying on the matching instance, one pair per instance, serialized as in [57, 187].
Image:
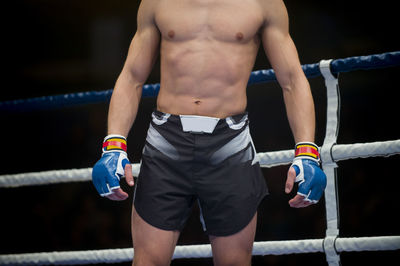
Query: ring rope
[340, 152]
[330, 245]
[390, 59]
[203, 251]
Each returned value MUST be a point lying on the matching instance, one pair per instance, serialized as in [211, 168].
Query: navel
[239, 36]
[171, 34]
[197, 102]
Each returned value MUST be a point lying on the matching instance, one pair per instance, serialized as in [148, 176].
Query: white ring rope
[267, 159]
[203, 251]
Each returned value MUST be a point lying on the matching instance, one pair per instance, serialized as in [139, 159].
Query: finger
[128, 174]
[291, 176]
[305, 203]
[111, 197]
[118, 195]
[297, 201]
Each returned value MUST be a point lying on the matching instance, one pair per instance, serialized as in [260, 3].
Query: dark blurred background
[66, 46]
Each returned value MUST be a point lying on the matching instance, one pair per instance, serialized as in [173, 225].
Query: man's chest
[223, 20]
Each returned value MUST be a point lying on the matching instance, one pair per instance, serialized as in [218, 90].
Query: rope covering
[390, 59]
[202, 251]
[267, 159]
[328, 164]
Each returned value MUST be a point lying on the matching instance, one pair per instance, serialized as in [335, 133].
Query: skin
[207, 50]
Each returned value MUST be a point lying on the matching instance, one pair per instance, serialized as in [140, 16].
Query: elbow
[132, 76]
[287, 84]
[287, 87]
[293, 82]
[128, 83]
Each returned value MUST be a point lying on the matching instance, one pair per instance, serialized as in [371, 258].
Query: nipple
[239, 36]
[171, 34]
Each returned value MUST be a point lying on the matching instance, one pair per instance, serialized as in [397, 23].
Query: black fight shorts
[205, 159]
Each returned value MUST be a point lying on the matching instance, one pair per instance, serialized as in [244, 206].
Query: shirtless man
[198, 147]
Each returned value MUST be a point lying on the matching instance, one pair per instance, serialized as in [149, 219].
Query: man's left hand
[312, 182]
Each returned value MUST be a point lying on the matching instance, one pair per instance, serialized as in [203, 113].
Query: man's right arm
[142, 54]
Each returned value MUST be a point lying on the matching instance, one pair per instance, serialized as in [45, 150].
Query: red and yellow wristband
[114, 143]
[307, 150]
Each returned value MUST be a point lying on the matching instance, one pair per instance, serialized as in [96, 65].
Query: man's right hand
[112, 165]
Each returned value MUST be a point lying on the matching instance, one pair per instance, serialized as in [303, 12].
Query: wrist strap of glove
[307, 150]
[114, 143]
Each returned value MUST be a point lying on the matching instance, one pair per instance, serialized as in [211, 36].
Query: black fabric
[228, 193]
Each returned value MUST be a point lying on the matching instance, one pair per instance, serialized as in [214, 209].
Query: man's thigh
[235, 249]
[152, 246]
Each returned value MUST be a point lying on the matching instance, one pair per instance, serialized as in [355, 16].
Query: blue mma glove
[308, 172]
[108, 171]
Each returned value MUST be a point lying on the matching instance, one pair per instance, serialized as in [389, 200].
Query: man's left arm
[283, 56]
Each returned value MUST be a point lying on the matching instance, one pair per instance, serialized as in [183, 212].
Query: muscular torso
[208, 49]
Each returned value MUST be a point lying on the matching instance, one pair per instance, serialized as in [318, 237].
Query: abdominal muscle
[205, 77]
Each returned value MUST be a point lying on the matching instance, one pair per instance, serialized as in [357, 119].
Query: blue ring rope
[375, 61]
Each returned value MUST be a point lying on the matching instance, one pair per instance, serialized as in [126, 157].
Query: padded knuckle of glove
[109, 169]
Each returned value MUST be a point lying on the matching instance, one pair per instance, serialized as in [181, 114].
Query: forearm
[124, 104]
[282, 54]
[300, 109]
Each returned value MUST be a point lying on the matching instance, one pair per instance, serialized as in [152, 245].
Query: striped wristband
[307, 150]
[114, 143]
